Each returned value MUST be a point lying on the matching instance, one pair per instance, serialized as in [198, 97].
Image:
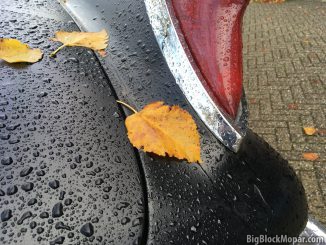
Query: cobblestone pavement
[285, 76]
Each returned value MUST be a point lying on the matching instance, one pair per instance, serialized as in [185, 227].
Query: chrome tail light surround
[186, 74]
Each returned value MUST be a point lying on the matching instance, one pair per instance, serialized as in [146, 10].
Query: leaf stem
[126, 105]
[57, 50]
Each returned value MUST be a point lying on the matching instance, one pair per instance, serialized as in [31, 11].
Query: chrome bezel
[189, 79]
[313, 231]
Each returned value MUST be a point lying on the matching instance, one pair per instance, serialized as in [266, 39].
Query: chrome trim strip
[241, 120]
[314, 230]
[187, 79]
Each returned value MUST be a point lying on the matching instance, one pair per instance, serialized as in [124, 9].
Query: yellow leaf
[97, 41]
[13, 51]
[310, 156]
[309, 131]
[164, 129]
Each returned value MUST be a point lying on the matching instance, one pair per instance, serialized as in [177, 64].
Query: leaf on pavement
[293, 106]
[14, 51]
[309, 130]
[322, 132]
[310, 156]
[97, 41]
[164, 129]
[269, 1]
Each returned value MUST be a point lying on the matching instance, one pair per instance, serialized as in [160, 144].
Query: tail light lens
[212, 31]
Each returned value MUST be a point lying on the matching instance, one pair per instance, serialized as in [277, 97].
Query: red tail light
[212, 30]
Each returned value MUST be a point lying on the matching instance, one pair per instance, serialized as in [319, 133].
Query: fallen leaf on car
[164, 129]
[14, 51]
[310, 156]
[309, 130]
[97, 41]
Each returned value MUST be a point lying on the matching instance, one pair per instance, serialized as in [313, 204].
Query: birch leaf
[97, 41]
[14, 51]
[164, 129]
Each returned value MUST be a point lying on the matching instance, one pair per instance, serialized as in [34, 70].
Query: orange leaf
[164, 129]
[309, 130]
[310, 156]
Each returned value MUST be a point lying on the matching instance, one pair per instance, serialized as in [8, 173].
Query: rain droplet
[67, 202]
[6, 161]
[57, 210]
[61, 225]
[26, 215]
[26, 171]
[42, 94]
[58, 240]
[87, 230]
[28, 186]
[125, 220]
[54, 184]
[31, 202]
[11, 190]
[6, 215]
[44, 215]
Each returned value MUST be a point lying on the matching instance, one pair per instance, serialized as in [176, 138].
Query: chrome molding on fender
[228, 132]
[314, 234]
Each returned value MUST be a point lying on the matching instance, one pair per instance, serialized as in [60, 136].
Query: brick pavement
[284, 77]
